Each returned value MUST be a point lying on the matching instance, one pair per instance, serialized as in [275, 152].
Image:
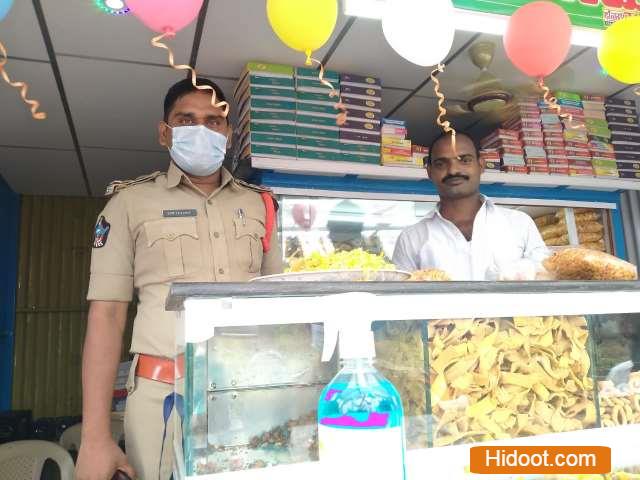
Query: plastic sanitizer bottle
[360, 417]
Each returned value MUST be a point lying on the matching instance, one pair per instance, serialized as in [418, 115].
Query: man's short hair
[448, 135]
[184, 87]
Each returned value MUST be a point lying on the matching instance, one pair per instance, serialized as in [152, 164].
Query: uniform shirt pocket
[172, 233]
[249, 232]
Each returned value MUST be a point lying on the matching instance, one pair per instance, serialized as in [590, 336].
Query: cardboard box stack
[553, 140]
[509, 148]
[575, 134]
[316, 129]
[360, 136]
[420, 155]
[396, 148]
[266, 102]
[600, 148]
[622, 117]
[491, 158]
[527, 121]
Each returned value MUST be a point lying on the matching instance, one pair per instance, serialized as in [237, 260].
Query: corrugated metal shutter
[51, 310]
[631, 220]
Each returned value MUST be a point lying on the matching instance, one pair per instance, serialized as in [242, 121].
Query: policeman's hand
[99, 460]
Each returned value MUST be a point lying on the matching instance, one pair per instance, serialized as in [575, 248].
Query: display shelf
[338, 168]
[452, 462]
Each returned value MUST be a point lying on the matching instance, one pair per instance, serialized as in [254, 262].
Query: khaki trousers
[144, 428]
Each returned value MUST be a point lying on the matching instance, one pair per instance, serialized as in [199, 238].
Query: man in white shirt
[466, 235]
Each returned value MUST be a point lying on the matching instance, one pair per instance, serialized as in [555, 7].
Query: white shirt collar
[435, 211]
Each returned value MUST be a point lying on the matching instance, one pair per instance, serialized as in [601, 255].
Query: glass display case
[539, 363]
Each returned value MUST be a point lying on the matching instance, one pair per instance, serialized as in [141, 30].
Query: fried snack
[584, 264]
[545, 220]
[557, 241]
[356, 259]
[400, 358]
[590, 227]
[620, 406]
[551, 231]
[583, 217]
[430, 275]
[504, 378]
[599, 245]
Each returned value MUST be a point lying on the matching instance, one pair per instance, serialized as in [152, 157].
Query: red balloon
[538, 38]
[304, 215]
[165, 16]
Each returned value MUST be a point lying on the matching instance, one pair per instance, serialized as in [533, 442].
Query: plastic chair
[25, 459]
[72, 436]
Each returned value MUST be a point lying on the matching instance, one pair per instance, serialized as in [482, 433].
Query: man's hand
[99, 460]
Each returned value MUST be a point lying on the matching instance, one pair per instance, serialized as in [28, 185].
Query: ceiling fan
[487, 95]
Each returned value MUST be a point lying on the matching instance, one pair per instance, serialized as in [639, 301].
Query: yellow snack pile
[506, 378]
[356, 259]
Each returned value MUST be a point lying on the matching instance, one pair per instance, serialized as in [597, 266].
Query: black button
[216, 235]
[221, 271]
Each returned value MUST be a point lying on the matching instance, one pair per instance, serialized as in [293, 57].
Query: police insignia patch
[101, 233]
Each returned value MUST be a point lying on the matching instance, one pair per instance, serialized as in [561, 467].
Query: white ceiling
[113, 83]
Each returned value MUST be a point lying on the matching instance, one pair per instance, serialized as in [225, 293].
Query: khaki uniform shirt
[161, 230]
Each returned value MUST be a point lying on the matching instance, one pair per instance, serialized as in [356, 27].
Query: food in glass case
[584, 264]
[620, 405]
[400, 358]
[430, 275]
[509, 377]
[356, 259]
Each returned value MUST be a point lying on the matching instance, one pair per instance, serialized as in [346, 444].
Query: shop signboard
[583, 13]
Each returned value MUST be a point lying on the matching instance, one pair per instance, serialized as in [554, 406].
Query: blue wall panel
[9, 223]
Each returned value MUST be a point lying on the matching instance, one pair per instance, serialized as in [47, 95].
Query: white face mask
[198, 150]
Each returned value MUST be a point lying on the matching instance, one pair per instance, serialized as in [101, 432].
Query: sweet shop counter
[504, 363]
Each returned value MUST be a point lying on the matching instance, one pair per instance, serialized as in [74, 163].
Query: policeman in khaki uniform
[193, 223]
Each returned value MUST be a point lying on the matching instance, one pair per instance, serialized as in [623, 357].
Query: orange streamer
[23, 86]
[442, 111]
[552, 102]
[341, 117]
[156, 42]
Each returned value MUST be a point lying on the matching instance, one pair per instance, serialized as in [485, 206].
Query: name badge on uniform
[179, 213]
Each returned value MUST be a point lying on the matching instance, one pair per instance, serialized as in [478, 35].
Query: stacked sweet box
[527, 121]
[553, 140]
[600, 148]
[396, 149]
[266, 101]
[575, 134]
[491, 159]
[509, 147]
[360, 136]
[622, 116]
[316, 128]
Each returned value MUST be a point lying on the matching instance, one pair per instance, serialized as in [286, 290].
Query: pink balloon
[165, 15]
[538, 38]
[304, 215]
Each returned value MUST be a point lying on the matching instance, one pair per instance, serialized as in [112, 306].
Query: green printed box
[326, 121]
[263, 116]
[254, 103]
[271, 93]
[268, 151]
[317, 143]
[311, 97]
[373, 149]
[274, 139]
[310, 85]
[360, 158]
[277, 128]
[304, 154]
[311, 108]
[317, 132]
[312, 73]
[568, 96]
[604, 163]
[596, 123]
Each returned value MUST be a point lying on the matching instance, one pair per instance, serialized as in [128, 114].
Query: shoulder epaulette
[119, 185]
[251, 186]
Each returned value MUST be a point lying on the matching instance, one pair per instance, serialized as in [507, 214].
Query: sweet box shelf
[338, 168]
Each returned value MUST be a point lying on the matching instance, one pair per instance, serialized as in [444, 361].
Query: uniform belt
[160, 369]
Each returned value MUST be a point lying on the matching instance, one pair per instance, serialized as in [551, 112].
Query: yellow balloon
[304, 25]
[619, 53]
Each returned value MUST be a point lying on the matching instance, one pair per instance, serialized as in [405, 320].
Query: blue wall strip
[9, 222]
[352, 183]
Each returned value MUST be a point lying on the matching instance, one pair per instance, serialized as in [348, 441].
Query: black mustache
[449, 177]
